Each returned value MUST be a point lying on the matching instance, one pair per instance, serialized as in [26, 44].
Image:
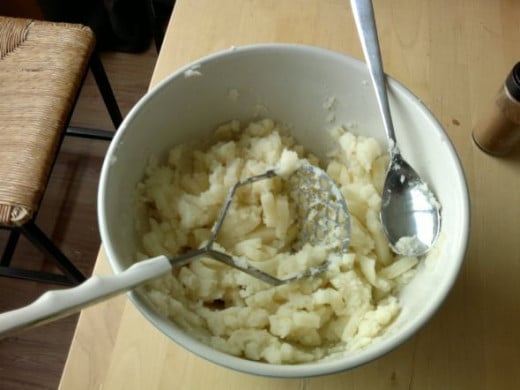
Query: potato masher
[323, 220]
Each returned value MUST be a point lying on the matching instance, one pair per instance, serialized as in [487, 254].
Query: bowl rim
[311, 369]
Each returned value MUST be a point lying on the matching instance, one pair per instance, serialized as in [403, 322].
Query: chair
[42, 68]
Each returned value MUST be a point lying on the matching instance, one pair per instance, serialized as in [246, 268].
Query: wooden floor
[34, 359]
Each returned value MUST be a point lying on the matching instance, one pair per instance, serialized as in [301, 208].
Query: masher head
[322, 216]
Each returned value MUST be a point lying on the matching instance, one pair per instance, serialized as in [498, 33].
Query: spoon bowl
[410, 212]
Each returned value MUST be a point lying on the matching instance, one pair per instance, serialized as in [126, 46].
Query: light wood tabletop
[453, 55]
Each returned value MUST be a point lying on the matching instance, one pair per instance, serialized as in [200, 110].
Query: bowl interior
[313, 90]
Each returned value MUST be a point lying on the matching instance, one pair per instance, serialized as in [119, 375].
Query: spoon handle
[365, 22]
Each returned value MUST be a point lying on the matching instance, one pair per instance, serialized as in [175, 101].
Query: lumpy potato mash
[342, 309]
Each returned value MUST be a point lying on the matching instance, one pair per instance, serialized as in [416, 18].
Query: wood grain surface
[453, 55]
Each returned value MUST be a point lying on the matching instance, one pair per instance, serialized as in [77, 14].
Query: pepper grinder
[499, 131]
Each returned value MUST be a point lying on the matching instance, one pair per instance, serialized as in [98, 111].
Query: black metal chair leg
[105, 135]
[10, 246]
[96, 66]
[158, 34]
[41, 241]
[36, 276]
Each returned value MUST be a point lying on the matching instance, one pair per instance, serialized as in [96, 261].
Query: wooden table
[453, 55]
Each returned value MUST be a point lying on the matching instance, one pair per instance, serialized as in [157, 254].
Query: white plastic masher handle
[60, 303]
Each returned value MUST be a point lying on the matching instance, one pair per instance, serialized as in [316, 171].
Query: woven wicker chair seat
[42, 65]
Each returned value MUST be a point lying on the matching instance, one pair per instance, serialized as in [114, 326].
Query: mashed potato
[343, 309]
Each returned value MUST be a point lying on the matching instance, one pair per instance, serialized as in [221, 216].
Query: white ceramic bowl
[290, 83]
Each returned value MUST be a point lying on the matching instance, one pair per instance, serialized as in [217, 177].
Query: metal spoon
[410, 213]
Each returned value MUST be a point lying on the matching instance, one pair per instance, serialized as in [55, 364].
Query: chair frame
[71, 274]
